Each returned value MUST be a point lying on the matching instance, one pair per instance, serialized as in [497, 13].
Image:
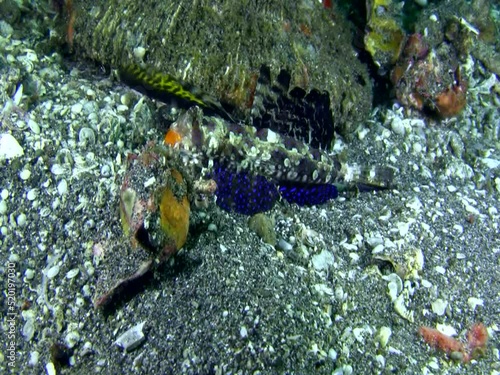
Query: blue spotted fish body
[253, 168]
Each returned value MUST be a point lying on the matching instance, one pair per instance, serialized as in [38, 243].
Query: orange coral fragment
[172, 138]
[477, 338]
[451, 101]
[441, 341]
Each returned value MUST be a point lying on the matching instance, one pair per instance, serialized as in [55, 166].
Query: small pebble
[284, 246]
[332, 354]
[86, 135]
[35, 128]
[383, 336]
[34, 357]
[440, 270]
[89, 268]
[348, 370]
[28, 330]
[25, 174]
[86, 349]
[62, 187]
[139, 52]
[378, 249]
[426, 283]
[72, 338]
[29, 274]
[106, 170]
[86, 291]
[57, 169]
[18, 95]
[3, 207]
[121, 108]
[21, 220]
[76, 108]
[380, 359]
[397, 126]
[32, 194]
[6, 29]
[125, 99]
[417, 148]
[446, 329]
[243, 332]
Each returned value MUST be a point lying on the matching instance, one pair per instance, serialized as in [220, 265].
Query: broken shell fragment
[408, 262]
[154, 208]
[154, 213]
[120, 266]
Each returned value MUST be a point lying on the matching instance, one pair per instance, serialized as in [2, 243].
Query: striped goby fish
[205, 140]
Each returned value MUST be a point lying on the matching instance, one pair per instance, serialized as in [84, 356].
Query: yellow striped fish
[168, 89]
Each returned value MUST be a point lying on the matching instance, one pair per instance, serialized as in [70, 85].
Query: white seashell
[50, 369]
[18, 95]
[401, 310]
[323, 260]
[473, 302]
[9, 147]
[35, 128]
[32, 194]
[53, 271]
[446, 329]
[383, 336]
[25, 174]
[62, 187]
[57, 169]
[139, 53]
[72, 273]
[132, 338]
[439, 306]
